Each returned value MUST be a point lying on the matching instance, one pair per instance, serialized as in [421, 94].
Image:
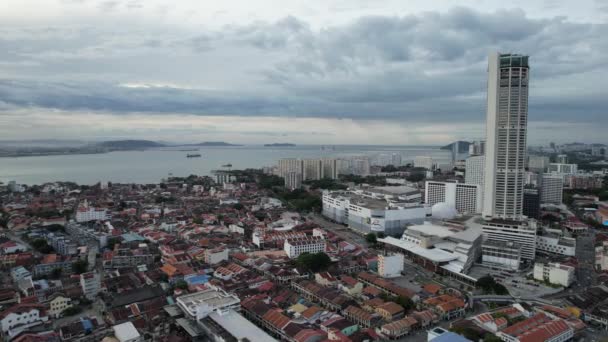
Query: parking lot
[516, 282]
[340, 230]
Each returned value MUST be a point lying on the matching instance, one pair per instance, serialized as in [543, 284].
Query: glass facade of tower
[506, 129]
[511, 135]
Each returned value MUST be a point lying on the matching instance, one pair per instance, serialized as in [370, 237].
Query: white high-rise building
[423, 161]
[293, 180]
[568, 169]
[311, 169]
[562, 159]
[474, 170]
[465, 198]
[552, 188]
[361, 166]
[506, 126]
[522, 234]
[396, 159]
[329, 168]
[538, 163]
[288, 165]
[477, 148]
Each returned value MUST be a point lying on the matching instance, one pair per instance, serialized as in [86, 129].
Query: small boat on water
[193, 155]
[227, 165]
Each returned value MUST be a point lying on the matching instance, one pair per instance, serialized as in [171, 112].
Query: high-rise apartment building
[520, 233]
[288, 165]
[396, 159]
[329, 168]
[477, 148]
[311, 169]
[568, 169]
[293, 180]
[538, 163]
[552, 188]
[361, 166]
[474, 170]
[506, 125]
[465, 198]
[562, 159]
[531, 207]
[423, 161]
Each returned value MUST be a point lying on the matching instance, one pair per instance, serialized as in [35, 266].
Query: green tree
[489, 286]
[270, 181]
[415, 177]
[313, 262]
[112, 242]
[238, 206]
[72, 310]
[181, 285]
[468, 332]
[491, 338]
[371, 238]
[405, 302]
[41, 246]
[56, 273]
[80, 266]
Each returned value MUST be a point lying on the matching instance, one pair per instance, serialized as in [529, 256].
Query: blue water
[151, 166]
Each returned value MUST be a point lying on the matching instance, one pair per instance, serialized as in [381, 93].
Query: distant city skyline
[310, 72]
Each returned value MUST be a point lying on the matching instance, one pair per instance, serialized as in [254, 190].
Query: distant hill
[280, 145]
[462, 146]
[125, 145]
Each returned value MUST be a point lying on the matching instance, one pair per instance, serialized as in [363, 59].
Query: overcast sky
[303, 71]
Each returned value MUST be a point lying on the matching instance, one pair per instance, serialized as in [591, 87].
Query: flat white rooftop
[239, 327]
[430, 229]
[432, 254]
[212, 298]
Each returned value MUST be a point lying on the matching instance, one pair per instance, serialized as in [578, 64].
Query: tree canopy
[371, 238]
[80, 266]
[489, 286]
[314, 262]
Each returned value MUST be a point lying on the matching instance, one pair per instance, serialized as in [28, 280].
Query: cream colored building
[58, 304]
[554, 273]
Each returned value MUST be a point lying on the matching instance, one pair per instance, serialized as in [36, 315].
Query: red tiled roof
[276, 319]
[432, 288]
[49, 259]
[544, 332]
[391, 307]
[539, 327]
[359, 313]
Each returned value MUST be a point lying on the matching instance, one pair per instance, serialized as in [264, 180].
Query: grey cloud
[423, 67]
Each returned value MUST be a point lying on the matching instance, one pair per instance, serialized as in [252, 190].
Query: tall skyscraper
[506, 125]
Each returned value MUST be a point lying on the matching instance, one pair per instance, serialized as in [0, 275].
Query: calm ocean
[151, 166]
